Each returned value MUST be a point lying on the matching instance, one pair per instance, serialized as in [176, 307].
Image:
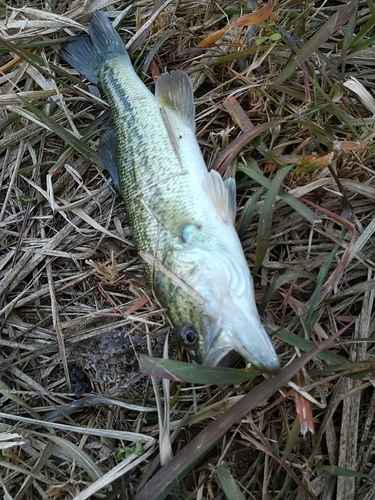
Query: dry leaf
[248, 20]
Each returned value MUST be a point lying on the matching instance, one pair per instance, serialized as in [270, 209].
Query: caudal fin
[89, 54]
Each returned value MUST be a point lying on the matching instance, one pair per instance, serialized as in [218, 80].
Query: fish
[181, 215]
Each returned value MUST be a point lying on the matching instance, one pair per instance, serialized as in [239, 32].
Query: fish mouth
[251, 342]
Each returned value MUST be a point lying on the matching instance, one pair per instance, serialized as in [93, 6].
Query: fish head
[229, 334]
[215, 337]
[225, 320]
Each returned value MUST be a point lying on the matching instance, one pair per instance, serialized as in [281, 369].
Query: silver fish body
[181, 216]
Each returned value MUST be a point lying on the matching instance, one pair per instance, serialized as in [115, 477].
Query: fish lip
[256, 348]
[260, 353]
[217, 358]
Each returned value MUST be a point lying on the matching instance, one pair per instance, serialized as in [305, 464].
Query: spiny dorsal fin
[175, 93]
[222, 194]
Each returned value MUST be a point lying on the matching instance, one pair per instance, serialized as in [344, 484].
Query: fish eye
[189, 337]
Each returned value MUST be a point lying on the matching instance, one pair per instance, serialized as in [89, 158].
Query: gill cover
[230, 321]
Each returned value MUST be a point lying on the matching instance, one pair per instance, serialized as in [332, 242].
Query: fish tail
[90, 54]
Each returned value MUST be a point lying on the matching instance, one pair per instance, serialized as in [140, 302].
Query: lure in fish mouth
[181, 215]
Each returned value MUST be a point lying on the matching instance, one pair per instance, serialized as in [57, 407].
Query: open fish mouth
[227, 357]
[254, 345]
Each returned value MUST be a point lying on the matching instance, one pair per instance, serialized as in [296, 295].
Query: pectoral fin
[222, 194]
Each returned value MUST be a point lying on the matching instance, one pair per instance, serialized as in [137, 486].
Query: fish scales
[142, 185]
[153, 189]
[144, 171]
[181, 216]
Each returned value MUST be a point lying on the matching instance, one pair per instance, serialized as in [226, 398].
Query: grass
[285, 103]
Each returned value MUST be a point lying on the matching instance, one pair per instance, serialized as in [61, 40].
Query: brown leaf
[248, 20]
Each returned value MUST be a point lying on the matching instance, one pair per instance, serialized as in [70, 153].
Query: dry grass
[78, 420]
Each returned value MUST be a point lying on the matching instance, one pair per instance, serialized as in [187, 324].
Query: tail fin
[88, 54]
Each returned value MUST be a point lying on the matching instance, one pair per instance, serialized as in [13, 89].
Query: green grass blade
[266, 217]
[284, 489]
[227, 59]
[228, 483]
[8, 393]
[42, 459]
[299, 207]
[73, 141]
[248, 211]
[69, 409]
[361, 370]
[194, 374]
[312, 311]
[85, 461]
[358, 39]
[194, 451]
[281, 280]
[91, 131]
[37, 62]
[335, 470]
[359, 288]
[305, 345]
[348, 36]
[311, 46]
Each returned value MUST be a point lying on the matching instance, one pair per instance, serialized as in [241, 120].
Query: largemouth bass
[180, 214]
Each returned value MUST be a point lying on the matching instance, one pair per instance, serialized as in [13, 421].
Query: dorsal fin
[175, 93]
[222, 194]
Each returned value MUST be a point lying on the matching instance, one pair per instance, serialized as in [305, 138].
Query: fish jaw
[243, 335]
[227, 318]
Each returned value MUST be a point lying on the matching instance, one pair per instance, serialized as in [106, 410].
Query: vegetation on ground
[285, 103]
